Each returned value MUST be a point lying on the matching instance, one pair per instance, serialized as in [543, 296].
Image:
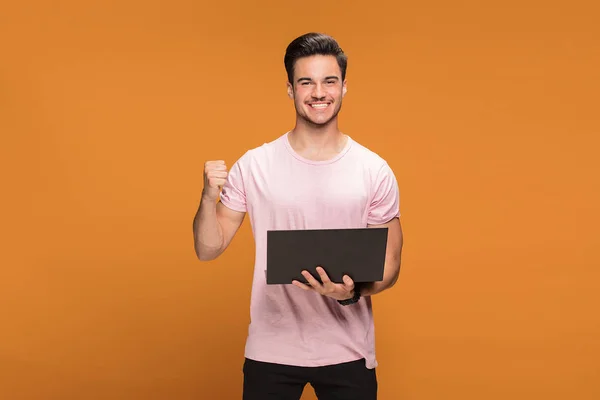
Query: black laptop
[358, 253]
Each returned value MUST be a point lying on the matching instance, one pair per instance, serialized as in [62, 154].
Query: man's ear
[344, 89]
[290, 91]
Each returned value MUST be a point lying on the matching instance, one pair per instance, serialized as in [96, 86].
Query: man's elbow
[393, 278]
[205, 257]
[207, 254]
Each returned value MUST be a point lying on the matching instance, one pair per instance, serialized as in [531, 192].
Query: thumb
[348, 282]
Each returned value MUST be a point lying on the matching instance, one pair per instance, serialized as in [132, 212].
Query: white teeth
[319, 105]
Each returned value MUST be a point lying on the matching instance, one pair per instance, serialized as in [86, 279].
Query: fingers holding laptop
[337, 291]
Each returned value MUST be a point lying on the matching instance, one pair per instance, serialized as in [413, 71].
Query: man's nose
[318, 91]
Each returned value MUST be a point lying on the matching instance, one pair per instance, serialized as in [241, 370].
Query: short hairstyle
[311, 44]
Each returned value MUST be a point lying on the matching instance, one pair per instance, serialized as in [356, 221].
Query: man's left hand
[337, 291]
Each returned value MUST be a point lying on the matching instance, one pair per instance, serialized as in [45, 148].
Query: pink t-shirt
[279, 189]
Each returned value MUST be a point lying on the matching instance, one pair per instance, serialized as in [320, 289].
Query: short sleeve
[233, 194]
[385, 202]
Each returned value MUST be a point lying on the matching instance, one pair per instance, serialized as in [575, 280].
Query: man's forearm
[208, 234]
[391, 268]
[371, 288]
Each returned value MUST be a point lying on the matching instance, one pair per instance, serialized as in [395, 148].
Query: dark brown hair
[311, 44]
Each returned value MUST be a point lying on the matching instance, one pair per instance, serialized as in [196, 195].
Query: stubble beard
[314, 124]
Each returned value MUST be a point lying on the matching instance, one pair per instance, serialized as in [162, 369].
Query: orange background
[488, 114]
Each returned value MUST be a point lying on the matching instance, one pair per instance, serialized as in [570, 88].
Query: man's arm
[391, 269]
[215, 225]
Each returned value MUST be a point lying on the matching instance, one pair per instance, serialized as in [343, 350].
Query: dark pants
[346, 381]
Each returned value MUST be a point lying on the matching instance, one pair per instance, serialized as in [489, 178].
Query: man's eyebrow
[326, 78]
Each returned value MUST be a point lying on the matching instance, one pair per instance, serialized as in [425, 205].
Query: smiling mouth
[319, 106]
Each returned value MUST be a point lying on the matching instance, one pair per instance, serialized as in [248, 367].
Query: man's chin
[320, 122]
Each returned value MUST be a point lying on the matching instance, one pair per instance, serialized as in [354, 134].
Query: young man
[312, 177]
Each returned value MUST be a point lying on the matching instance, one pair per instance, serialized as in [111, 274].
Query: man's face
[317, 89]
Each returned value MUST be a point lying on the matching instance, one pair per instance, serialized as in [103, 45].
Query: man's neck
[317, 142]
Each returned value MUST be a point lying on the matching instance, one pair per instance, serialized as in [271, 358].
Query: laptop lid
[358, 253]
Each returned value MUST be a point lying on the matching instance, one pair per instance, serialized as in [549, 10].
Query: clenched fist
[215, 175]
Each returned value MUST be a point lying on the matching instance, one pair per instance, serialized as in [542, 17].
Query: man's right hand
[215, 175]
